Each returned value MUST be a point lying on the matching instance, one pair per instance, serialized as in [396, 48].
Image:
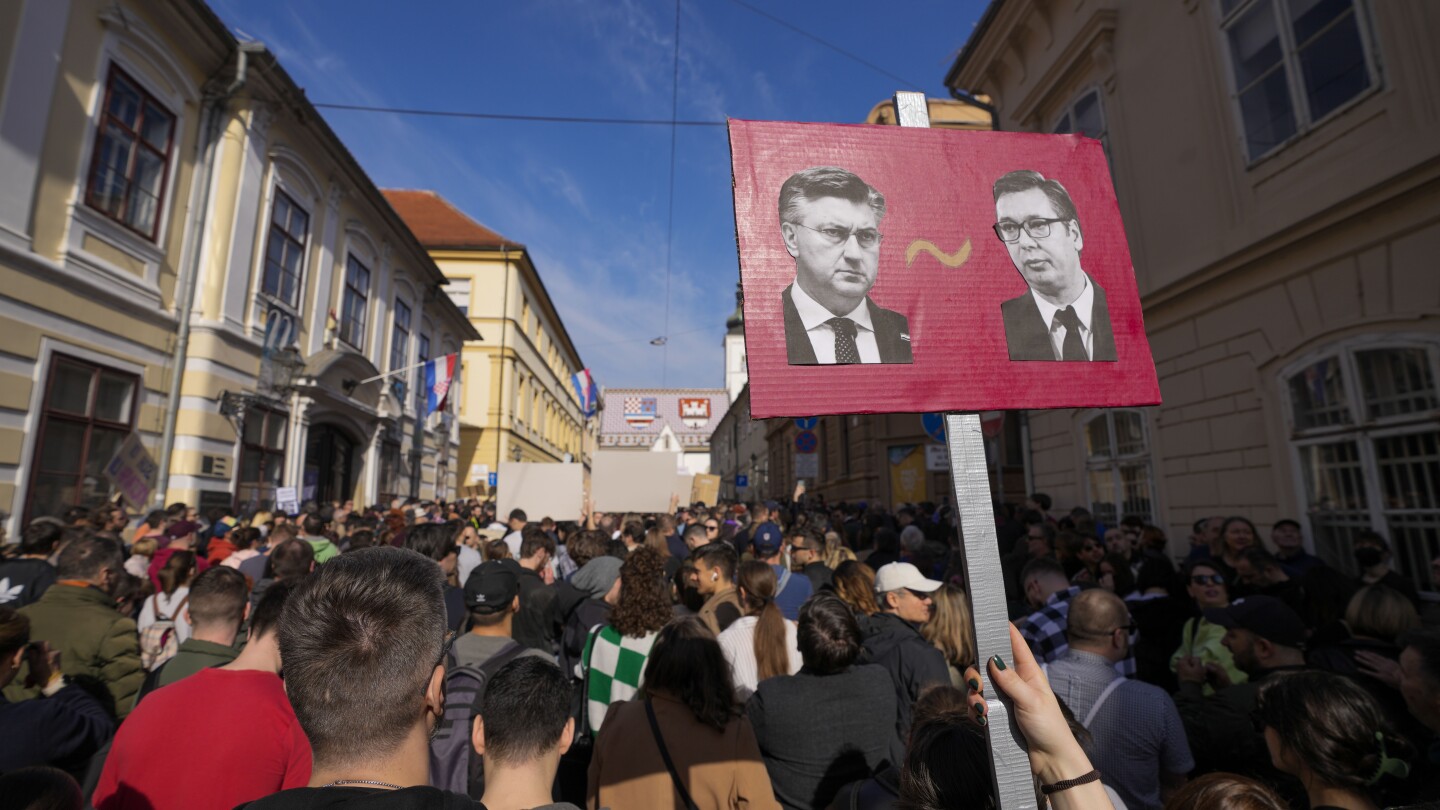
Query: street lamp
[279, 376]
[516, 452]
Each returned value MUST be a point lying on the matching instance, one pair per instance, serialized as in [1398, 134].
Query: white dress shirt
[1084, 308]
[813, 317]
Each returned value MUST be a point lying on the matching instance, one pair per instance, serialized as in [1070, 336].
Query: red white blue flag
[439, 374]
[584, 384]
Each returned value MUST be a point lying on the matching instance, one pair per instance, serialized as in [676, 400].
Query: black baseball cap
[491, 587]
[1265, 616]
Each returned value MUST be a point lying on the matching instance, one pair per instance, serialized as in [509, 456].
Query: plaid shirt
[1044, 630]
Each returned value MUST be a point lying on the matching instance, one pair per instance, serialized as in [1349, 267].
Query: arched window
[1117, 466]
[1363, 429]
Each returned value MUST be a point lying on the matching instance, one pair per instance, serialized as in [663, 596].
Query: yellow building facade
[518, 403]
[190, 255]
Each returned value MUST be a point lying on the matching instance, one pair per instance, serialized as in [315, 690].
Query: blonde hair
[835, 551]
[1381, 612]
[952, 630]
[145, 547]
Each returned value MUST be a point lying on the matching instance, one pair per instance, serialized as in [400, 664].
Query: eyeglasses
[1037, 227]
[866, 238]
[1207, 579]
[712, 527]
[921, 595]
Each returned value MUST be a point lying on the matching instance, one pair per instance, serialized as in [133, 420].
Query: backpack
[159, 642]
[454, 765]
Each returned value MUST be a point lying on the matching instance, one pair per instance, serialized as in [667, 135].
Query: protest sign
[541, 490]
[705, 489]
[287, 500]
[133, 472]
[629, 481]
[948, 295]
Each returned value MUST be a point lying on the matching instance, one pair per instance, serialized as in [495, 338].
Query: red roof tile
[437, 223]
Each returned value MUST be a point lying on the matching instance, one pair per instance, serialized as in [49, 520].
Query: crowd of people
[800, 655]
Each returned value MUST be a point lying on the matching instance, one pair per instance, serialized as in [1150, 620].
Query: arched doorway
[330, 464]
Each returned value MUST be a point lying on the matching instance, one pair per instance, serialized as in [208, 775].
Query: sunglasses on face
[711, 527]
[1207, 579]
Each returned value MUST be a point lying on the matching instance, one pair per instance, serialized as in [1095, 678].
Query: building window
[459, 291]
[422, 393]
[357, 300]
[391, 473]
[1084, 116]
[400, 338]
[1364, 429]
[262, 457]
[285, 250]
[89, 411]
[1293, 62]
[1117, 467]
[132, 156]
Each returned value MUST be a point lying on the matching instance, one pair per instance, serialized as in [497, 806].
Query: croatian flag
[584, 384]
[439, 373]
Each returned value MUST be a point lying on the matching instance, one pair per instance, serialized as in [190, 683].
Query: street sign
[937, 458]
[807, 465]
[934, 425]
[807, 422]
[742, 482]
[805, 442]
[492, 479]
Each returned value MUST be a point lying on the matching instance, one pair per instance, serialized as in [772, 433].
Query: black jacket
[22, 581]
[535, 623]
[820, 576]
[892, 334]
[913, 664]
[363, 797]
[63, 730]
[1027, 336]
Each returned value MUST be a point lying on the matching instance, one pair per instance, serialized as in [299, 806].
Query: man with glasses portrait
[830, 219]
[1063, 316]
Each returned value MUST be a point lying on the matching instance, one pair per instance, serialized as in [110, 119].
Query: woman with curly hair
[686, 715]
[641, 612]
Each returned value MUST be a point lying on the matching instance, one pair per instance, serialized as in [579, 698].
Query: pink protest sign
[903, 270]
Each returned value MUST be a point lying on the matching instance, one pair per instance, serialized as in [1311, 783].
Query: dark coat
[1028, 336]
[63, 730]
[535, 623]
[913, 664]
[23, 581]
[892, 334]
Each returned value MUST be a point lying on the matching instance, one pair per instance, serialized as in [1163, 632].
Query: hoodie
[363, 797]
[324, 549]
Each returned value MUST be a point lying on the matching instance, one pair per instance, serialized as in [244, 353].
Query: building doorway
[330, 463]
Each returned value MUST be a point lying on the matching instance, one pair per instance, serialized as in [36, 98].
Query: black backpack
[454, 765]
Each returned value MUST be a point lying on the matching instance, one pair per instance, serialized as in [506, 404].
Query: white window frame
[1115, 461]
[1294, 79]
[1362, 430]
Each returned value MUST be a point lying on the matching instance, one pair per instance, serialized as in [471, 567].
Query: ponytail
[757, 583]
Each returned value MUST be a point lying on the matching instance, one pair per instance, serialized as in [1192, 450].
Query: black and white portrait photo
[830, 220]
[1063, 316]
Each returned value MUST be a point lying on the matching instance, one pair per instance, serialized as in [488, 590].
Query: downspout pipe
[205, 150]
[960, 95]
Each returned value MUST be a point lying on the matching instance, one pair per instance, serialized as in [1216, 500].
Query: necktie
[845, 351]
[1074, 347]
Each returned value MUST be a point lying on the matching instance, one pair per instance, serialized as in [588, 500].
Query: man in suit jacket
[830, 221]
[1064, 315]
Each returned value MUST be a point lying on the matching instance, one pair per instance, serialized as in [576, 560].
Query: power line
[551, 119]
[832, 46]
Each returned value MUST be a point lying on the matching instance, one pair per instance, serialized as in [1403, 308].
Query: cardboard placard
[133, 472]
[705, 489]
[943, 318]
[543, 490]
[622, 481]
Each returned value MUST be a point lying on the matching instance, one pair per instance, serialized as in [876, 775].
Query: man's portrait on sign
[1064, 315]
[830, 221]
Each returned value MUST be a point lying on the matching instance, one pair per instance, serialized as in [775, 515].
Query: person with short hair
[535, 624]
[437, 541]
[516, 523]
[1289, 545]
[232, 721]
[26, 576]
[1140, 747]
[217, 607]
[1048, 593]
[715, 571]
[1064, 314]
[363, 641]
[522, 729]
[791, 590]
[289, 560]
[77, 617]
[1372, 556]
[1201, 640]
[807, 556]
[831, 723]
[896, 643]
[681, 743]
[312, 531]
[492, 596]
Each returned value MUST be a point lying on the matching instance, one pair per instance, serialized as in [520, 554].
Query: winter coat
[94, 640]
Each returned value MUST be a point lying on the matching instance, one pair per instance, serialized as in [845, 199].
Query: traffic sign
[934, 425]
[742, 482]
[493, 479]
[805, 441]
[807, 422]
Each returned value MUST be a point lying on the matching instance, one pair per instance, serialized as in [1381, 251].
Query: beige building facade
[1276, 167]
[190, 255]
[519, 403]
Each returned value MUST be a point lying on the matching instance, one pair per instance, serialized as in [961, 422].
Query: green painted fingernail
[999, 662]
[984, 721]
[974, 684]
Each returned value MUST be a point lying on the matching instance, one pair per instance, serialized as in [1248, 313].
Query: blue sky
[590, 201]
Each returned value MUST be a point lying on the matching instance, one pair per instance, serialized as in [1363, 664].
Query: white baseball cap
[897, 575]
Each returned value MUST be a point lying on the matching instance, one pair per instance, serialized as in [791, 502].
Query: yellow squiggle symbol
[926, 246]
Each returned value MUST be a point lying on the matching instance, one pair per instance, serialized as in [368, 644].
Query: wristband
[1066, 784]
